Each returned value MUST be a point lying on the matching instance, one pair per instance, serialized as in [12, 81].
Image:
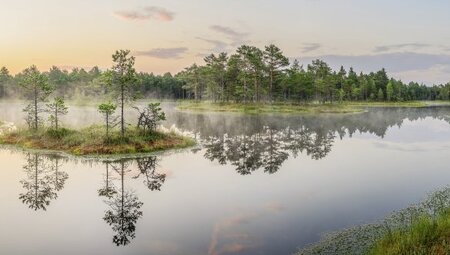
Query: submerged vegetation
[423, 228]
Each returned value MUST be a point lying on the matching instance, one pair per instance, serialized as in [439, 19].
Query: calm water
[255, 185]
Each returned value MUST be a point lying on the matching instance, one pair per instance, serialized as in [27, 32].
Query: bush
[58, 133]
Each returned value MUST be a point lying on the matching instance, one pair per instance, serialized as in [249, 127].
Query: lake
[255, 184]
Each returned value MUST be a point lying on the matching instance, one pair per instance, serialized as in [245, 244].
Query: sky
[410, 38]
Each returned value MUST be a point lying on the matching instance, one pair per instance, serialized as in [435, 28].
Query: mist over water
[256, 184]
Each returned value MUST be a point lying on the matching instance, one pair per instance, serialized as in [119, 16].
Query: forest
[250, 74]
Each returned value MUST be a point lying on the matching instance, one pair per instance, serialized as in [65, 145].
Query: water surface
[257, 184]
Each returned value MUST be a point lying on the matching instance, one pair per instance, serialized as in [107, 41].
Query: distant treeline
[249, 75]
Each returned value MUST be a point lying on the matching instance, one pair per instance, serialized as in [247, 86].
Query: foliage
[122, 79]
[249, 74]
[108, 109]
[56, 109]
[36, 89]
[149, 117]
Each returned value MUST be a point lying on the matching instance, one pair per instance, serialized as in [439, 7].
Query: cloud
[402, 46]
[146, 13]
[218, 46]
[228, 236]
[236, 37]
[163, 53]
[308, 47]
[237, 242]
[404, 64]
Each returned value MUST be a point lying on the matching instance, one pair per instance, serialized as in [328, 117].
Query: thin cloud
[404, 63]
[402, 46]
[236, 37]
[308, 47]
[218, 46]
[163, 53]
[146, 13]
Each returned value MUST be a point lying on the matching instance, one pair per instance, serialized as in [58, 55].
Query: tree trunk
[35, 108]
[271, 86]
[122, 124]
[56, 117]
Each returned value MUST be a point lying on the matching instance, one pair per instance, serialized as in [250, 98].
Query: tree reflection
[147, 168]
[252, 142]
[267, 149]
[124, 205]
[108, 190]
[43, 180]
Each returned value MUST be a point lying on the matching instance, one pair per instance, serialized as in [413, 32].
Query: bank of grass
[256, 108]
[313, 107]
[426, 235]
[387, 104]
[92, 141]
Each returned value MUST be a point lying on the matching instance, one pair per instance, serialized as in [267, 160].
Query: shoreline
[305, 108]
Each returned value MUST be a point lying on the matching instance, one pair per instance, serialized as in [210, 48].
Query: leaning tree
[149, 117]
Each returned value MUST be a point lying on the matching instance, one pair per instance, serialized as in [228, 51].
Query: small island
[143, 137]
[92, 141]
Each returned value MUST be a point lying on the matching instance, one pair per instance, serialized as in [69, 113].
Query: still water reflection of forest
[255, 184]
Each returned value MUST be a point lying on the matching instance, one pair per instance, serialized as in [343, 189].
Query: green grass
[297, 108]
[92, 141]
[256, 108]
[387, 104]
[426, 235]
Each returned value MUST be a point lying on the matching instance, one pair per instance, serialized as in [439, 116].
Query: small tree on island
[56, 109]
[122, 78]
[108, 109]
[36, 89]
[149, 117]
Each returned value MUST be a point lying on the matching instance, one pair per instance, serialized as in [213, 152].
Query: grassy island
[305, 108]
[91, 141]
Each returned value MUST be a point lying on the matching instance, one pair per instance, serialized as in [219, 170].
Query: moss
[92, 141]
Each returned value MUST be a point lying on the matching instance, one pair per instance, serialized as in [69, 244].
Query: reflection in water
[43, 180]
[247, 143]
[147, 168]
[267, 149]
[361, 238]
[109, 190]
[124, 208]
[124, 205]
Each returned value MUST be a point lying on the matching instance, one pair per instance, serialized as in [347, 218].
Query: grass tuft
[426, 235]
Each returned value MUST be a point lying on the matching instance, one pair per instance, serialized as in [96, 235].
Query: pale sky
[411, 38]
